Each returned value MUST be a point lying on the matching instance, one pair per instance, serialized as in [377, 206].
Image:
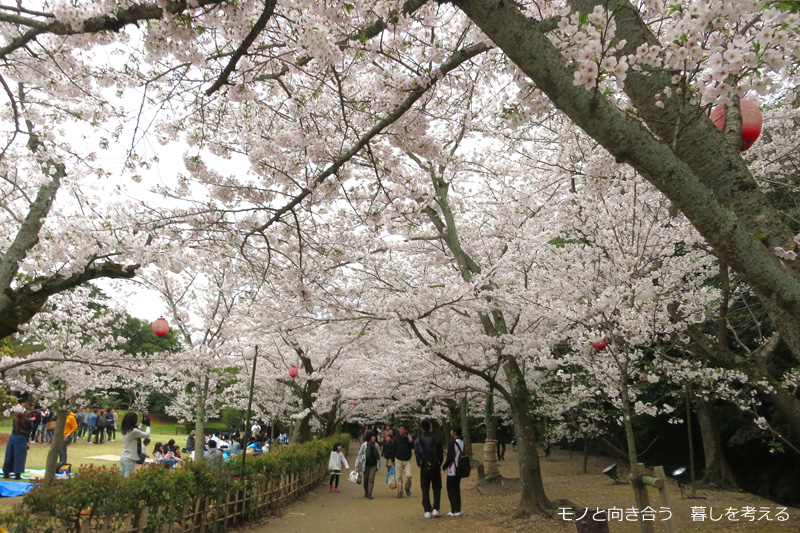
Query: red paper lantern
[293, 371]
[161, 327]
[480, 399]
[353, 403]
[600, 345]
[751, 121]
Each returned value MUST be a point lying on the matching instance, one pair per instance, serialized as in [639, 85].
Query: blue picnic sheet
[14, 488]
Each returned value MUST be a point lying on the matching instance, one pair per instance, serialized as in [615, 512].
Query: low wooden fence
[236, 507]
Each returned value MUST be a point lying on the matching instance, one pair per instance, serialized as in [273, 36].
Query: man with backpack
[430, 455]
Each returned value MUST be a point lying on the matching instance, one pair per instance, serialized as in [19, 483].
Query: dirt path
[349, 510]
[489, 509]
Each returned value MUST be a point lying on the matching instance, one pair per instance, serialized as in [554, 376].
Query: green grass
[162, 430]
[79, 452]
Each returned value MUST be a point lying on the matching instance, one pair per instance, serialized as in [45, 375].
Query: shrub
[111, 501]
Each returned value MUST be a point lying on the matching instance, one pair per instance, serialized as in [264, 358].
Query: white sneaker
[450, 514]
[427, 514]
[457, 514]
[435, 513]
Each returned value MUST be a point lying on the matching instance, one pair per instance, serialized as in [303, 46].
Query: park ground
[489, 508]
[485, 508]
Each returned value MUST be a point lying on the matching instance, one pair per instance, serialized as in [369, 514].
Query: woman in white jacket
[131, 443]
[335, 466]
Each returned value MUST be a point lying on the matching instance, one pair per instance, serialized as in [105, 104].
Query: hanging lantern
[353, 403]
[480, 399]
[161, 327]
[751, 121]
[551, 365]
[293, 371]
[600, 345]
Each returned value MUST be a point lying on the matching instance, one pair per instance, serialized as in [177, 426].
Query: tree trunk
[465, 429]
[631, 439]
[200, 422]
[302, 429]
[717, 472]
[491, 470]
[55, 447]
[533, 498]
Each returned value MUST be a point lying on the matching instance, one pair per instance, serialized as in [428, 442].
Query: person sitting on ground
[213, 456]
[170, 459]
[158, 452]
[143, 451]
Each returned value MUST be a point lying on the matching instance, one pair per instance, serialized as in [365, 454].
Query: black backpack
[429, 464]
[463, 466]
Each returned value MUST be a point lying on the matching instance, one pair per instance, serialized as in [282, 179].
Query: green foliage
[231, 417]
[142, 340]
[102, 494]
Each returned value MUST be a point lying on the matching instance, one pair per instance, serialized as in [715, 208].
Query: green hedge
[104, 495]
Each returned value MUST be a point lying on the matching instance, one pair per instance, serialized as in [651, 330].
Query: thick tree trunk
[533, 498]
[51, 463]
[302, 429]
[717, 472]
[677, 150]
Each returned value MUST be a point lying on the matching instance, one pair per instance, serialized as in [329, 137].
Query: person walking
[430, 455]
[335, 467]
[368, 461]
[131, 443]
[388, 450]
[402, 446]
[70, 430]
[17, 447]
[454, 452]
[91, 423]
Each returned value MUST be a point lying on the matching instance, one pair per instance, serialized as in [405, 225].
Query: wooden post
[639, 485]
[659, 472]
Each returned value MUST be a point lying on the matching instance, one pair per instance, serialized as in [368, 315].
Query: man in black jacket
[430, 455]
[401, 459]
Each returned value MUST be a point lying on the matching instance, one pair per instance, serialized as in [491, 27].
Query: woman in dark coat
[17, 449]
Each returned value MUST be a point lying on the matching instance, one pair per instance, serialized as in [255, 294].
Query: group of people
[395, 451]
[23, 431]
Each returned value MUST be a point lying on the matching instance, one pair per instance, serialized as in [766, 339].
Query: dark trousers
[62, 457]
[334, 480]
[89, 433]
[454, 493]
[112, 432]
[426, 483]
[16, 454]
[501, 450]
[101, 434]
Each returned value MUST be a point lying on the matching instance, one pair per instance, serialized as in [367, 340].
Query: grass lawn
[79, 453]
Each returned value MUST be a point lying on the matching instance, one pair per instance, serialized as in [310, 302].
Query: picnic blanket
[14, 488]
[33, 474]
[104, 457]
